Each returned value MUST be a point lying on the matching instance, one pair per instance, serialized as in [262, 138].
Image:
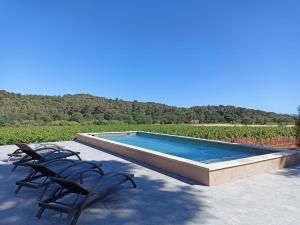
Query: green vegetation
[10, 135]
[28, 110]
[298, 127]
[37, 118]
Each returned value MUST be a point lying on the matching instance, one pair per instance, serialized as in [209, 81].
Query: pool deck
[271, 198]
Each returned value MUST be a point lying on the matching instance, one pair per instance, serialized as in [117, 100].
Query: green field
[11, 135]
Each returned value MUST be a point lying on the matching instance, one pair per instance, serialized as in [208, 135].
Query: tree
[77, 116]
[40, 110]
[247, 121]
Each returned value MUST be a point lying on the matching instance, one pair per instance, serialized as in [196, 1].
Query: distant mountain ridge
[18, 109]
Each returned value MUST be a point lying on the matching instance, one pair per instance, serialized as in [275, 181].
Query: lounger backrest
[43, 170]
[70, 185]
[29, 151]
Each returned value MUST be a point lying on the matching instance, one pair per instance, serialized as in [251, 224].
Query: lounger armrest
[70, 185]
[81, 172]
[50, 145]
[111, 175]
[95, 166]
[48, 148]
[17, 152]
[60, 150]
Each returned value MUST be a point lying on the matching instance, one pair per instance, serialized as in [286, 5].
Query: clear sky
[183, 53]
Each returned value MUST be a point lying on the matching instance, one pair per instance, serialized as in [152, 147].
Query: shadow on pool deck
[183, 179]
[293, 171]
[153, 202]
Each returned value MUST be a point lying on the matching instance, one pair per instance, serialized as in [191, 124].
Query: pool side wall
[224, 175]
[207, 174]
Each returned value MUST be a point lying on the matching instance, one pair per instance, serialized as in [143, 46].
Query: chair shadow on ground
[293, 171]
[154, 201]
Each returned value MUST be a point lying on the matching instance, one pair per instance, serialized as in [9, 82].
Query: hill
[18, 109]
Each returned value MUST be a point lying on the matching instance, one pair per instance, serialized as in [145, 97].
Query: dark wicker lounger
[83, 196]
[19, 153]
[42, 155]
[39, 177]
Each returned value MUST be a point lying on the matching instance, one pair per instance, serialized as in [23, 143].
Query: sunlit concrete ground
[270, 198]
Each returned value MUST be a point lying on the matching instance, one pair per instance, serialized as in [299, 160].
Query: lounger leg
[132, 182]
[18, 189]
[78, 156]
[75, 217]
[27, 178]
[24, 159]
[14, 168]
[101, 171]
[40, 212]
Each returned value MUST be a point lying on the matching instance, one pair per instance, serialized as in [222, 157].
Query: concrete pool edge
[208, 174]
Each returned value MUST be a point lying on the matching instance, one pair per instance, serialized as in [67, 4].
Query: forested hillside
[18, 109]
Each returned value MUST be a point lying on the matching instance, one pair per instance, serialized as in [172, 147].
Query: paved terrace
[270, 198]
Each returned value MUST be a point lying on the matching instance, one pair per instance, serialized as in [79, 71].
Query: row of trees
[20, 109]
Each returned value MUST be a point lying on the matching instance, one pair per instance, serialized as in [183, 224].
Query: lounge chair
[80, 195]
[39, 177]
[42, 155]
[19, 153]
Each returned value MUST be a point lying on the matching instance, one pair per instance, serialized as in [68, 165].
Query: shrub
[10, 135]
[298, 127]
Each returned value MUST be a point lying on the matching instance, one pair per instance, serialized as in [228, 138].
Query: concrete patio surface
[162, 199]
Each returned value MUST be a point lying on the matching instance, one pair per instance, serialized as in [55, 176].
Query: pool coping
[209, 174]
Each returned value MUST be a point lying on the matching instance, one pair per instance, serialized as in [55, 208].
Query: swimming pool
[201, 151]
[207, 162]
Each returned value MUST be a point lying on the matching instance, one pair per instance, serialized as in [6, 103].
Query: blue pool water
[202, 151]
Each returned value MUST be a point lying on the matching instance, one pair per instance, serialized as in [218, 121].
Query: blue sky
[183, 53]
